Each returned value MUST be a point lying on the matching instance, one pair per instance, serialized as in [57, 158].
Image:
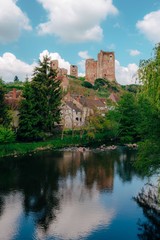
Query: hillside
[102, 88]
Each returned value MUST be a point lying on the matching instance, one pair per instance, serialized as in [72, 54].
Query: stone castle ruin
[104, 67]
[62, 73]
[74, 71]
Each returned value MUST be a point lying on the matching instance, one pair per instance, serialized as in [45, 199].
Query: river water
[71, 195]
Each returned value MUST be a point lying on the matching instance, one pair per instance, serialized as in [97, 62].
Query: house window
[76, 118]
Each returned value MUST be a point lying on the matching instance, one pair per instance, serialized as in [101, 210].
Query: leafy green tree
[40, 107]
[127, 118]
[94, 124]
[6, 135]
[149, 105]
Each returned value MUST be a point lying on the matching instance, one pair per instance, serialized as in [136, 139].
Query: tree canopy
[149, 109]
[40, 107]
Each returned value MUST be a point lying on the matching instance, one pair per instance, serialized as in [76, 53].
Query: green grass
[14, 149]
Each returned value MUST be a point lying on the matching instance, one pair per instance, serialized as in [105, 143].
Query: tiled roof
[73, 106]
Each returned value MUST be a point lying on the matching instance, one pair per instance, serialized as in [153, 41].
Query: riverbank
[18, 148]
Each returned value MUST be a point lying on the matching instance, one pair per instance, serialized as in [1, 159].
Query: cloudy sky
[72, 31]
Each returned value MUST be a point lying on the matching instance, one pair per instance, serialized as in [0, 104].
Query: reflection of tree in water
[124, 165]
[40, 177]
[37, 178]
[147, 199]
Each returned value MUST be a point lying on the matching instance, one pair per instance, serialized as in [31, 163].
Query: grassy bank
[13, 149]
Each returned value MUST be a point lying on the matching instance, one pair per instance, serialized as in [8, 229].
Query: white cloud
[84, 54]
[12, 21]
[76, 21]
[149, 26]
[77, 200]
[56, 56]
[126, 75]
[10, 219]
[11, 66]
[133, 52]
[81, 66]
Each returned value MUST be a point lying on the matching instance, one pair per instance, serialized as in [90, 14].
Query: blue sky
[72, 30]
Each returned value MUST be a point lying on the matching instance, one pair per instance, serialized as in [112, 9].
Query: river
[71, 195]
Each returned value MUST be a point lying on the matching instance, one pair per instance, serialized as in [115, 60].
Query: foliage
[81, 79]
[16, 79]
[87, 84]
[40, 107]
[149, 105]
[4, 114]
[126, 113]
[17, 85]
[98, 124]
[149, 76]
[6, 135]
[99, 82]
[133, 88]
[68, 141]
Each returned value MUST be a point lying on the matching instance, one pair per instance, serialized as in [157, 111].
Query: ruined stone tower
[61, 74]
[54, 64]
[74, 71]
[91, 70]
[104, 67]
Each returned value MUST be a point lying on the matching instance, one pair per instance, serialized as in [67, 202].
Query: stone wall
[91, 70]
[104, 67]
[74, 71]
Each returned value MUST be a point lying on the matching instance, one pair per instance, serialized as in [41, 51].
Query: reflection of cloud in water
[80, 213]
[9, 219]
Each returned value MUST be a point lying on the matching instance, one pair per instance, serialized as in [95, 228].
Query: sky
[72, 31]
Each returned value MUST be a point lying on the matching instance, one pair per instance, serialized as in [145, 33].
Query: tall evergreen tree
[40, 108]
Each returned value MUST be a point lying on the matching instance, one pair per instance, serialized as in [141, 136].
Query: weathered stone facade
[74, 71]
[104, 67]
[91, 70]
[54, 64]
[61, 74]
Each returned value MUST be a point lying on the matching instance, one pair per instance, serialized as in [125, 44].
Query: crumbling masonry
[104, 67]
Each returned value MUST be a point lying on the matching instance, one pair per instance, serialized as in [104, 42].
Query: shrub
[6, 135]
[87, 84]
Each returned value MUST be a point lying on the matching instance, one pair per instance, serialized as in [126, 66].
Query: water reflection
[12, 210]
[80, 211]
[60, 193]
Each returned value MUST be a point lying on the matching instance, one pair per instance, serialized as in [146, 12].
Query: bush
[6, 135]
[87, 84]
[100, 82]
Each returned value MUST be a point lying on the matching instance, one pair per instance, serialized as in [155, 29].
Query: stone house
[71, 115]
[77, 108]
